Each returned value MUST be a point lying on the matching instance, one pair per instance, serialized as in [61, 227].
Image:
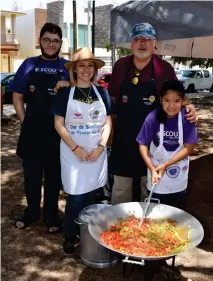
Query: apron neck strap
[180, 130]
[152, 69]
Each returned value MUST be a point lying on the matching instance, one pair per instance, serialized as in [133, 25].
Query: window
[206, 73]
[64, 31]
[82, 35]
[7, 81]
[187, 73]
[71, 35]
[199, 74]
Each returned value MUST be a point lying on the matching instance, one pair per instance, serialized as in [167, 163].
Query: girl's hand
[81, 154]
[161, 169]
[155, 177]
[96, 153]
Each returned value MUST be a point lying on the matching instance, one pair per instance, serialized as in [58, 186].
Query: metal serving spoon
[147, 204]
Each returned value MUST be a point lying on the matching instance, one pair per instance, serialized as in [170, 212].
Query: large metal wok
[104, 218]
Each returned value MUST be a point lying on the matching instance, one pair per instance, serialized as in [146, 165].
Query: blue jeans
[74, 204]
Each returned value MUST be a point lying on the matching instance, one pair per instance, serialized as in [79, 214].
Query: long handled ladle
[147, 205]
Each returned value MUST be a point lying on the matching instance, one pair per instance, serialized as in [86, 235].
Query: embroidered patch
[32, 88]
[77, 116]
[124, 98]
[152, 98]
[185, 169]
[94, 114]
[173, 172]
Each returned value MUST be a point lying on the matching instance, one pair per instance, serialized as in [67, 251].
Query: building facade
[10, 46]
[34, 19]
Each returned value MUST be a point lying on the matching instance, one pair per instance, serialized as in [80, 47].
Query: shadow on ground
[32, 254]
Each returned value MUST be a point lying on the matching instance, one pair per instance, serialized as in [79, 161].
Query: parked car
[103, 79]
[6, 80]
[195, 79]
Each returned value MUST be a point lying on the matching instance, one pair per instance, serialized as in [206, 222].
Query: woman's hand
[161, 170]
[96, 153]
[191, 114]
[61, 84]
[82, 154]
[155, 176]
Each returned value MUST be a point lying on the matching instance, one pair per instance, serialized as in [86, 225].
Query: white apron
[85, 123]
[175, 178]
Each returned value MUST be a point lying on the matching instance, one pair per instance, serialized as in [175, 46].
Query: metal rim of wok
[101, 221]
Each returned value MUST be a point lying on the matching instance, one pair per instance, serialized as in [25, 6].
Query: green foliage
[203, 63]
[121, 52]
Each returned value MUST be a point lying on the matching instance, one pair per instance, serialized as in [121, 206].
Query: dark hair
[51, 28]
[173, 85]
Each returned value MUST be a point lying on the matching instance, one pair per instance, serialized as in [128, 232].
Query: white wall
[25, 33]
[68, 13]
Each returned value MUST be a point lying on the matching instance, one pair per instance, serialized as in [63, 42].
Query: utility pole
[74, 26]
[89, 24]
[93, 27]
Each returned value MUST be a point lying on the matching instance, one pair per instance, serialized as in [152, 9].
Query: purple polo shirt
[151, 127]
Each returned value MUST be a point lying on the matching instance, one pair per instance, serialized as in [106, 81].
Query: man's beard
[49, 57]
[143, 55]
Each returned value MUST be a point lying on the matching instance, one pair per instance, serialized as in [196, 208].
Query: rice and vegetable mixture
[153, 238]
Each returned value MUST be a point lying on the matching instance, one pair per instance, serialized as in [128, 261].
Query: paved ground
[33, 255]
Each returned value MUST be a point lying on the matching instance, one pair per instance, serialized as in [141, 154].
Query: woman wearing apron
[82, 119]
[166, 140]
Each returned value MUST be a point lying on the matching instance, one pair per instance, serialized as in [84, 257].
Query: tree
[203, 63]
[121, 52]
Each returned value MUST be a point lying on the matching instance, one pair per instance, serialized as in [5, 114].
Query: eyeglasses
[136, 78]
[49, 41]
[144, 39]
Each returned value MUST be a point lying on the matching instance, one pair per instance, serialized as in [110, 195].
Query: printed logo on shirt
[47, 70]
[32, 88]
[124, 98]
[94, 114]
[77, 116]
[185, 169]
[169, 134]
[173, 172]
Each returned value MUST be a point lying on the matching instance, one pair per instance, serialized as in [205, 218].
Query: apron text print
[85, 129]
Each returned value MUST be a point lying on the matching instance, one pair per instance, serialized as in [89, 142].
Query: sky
[30, 4]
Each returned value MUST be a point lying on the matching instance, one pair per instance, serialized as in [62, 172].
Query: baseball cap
[143, 30]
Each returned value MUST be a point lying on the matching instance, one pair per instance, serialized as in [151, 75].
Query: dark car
[6, 80]
[103, 79]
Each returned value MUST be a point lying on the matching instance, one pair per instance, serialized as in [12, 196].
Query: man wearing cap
[134, 86]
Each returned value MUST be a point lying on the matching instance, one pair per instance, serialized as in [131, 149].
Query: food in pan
[153, 238]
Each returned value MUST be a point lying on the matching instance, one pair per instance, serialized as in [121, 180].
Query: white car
[195, 79]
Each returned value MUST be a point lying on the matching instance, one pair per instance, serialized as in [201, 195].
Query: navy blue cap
[143, 30]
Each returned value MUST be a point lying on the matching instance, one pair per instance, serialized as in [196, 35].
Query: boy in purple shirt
[166, 140]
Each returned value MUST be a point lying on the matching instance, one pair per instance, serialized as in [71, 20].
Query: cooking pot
[92, 253]
[105, 217]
